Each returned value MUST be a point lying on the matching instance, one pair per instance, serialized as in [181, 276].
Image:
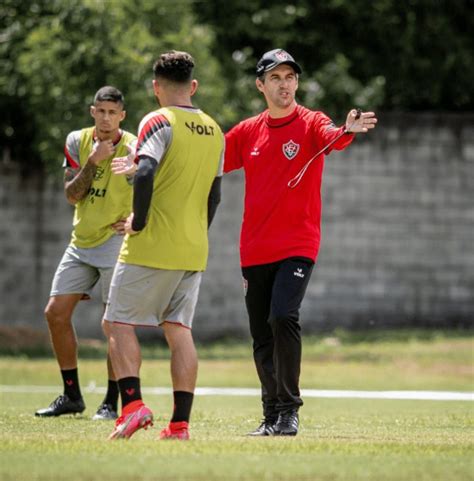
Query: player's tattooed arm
[78, 181]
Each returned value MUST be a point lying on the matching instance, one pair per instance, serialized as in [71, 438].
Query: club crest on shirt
[290, 149]
[99, 173]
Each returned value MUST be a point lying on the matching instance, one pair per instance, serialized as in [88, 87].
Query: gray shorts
[80, 269]
[144, 296]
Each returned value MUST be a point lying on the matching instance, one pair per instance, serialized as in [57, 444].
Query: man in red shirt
[281, 226]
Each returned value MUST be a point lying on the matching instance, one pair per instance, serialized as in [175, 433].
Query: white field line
[308, 393]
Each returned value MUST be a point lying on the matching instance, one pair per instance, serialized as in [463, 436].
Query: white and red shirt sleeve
[154, 137]
[71, 150]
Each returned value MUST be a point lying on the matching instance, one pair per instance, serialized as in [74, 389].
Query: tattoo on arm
[77, 182]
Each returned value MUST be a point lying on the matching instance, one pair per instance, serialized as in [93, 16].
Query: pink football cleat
[135, 416]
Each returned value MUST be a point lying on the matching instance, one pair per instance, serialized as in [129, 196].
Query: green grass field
[340, 439]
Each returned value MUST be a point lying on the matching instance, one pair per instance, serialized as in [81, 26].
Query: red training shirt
[280, 222]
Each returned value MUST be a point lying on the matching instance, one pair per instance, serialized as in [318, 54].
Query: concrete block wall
[397, 248]
[398, 227]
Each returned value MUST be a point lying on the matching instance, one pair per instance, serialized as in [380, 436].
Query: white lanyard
[297, 178]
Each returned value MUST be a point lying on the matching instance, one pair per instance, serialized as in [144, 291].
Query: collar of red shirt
[280, 122]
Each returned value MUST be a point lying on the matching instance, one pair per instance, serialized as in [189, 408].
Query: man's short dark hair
[109, 94]
[174, 66]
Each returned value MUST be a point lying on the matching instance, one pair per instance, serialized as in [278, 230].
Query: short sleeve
[71, 150]
[233, 151]
[154, 137]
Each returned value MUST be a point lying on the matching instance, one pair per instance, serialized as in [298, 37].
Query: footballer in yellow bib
[176, 190]
[102, 201]
[188, 146]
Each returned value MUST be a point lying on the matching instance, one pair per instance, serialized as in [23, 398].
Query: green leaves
[56, 55]
[391, 55]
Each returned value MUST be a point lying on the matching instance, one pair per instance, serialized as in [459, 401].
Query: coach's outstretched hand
[360, 122]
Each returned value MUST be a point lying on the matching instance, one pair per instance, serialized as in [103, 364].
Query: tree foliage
[391, 54]
[384, 54]
[57, 54]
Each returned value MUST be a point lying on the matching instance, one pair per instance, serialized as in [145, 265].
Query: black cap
[273, 58]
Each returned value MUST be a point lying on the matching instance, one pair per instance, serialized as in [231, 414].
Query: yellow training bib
[109, 198]
[175, 236]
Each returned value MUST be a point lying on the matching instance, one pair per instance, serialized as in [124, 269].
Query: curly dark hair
[174, 66]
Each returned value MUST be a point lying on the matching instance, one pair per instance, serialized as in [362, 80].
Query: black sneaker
[265, 428]
[105, 413]
[287, 424]
[62, 405]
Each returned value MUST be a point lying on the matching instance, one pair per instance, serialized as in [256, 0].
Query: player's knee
[105, 327]
[54, 314]
[178, 336]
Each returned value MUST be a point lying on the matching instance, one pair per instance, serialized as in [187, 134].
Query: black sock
[129, 390]
[183, 402]
[111, 397]
[71, 384]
